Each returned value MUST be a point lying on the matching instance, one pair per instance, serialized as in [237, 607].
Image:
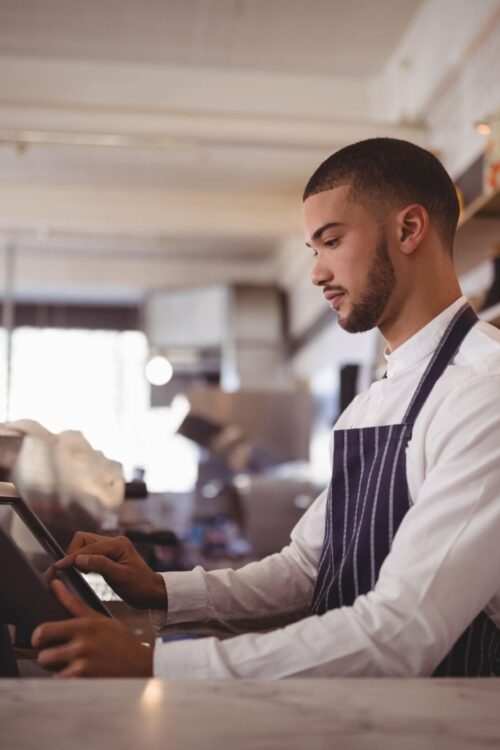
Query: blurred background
[153, 276]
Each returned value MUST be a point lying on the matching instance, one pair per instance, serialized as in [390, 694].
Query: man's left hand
[90, 645]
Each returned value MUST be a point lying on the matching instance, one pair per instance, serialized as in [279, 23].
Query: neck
[413, 312]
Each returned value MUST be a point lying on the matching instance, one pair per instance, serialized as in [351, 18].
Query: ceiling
[147, 144]
[202, 166]
[281, 36]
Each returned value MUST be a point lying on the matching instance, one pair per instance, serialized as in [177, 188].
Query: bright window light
[93, 382]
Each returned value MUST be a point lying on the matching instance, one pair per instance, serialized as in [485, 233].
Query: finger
[49, 575]
[70, 559]
[77, 668]
[99, 564]
[105, 546]
[66, 562]
[73, 604]
[81, 539]
[50, 632]
[58, 656]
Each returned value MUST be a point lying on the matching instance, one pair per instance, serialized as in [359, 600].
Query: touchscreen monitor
[27, 556]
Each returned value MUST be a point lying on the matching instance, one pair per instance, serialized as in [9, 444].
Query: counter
[284, 715]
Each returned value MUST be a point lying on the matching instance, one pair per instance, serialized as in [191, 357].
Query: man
[395, 569]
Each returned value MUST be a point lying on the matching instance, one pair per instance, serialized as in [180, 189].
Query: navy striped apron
[367, 499]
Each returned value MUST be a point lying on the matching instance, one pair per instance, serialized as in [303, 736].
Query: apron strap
[460, 325]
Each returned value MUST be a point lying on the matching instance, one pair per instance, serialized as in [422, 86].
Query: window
[93, 381]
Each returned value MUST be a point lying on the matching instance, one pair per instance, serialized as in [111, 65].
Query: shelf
[484, 205]
[478, 232]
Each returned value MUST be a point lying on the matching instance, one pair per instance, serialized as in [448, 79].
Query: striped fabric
[368, 498]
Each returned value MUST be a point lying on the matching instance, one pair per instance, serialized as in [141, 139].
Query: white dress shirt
[444, 564]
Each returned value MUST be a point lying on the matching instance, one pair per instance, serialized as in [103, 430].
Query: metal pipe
[8, 319]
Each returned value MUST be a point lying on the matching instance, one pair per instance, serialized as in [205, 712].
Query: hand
[91, 645]
[117, 560]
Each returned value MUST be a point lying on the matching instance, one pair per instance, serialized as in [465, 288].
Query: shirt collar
[422, 343]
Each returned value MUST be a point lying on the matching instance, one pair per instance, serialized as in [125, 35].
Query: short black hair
[389, 171]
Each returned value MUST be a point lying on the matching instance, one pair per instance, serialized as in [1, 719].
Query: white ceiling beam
[45, 101]
[147, 212]
[152, 88]
[78, 276]
[436, 47]
[189, 131]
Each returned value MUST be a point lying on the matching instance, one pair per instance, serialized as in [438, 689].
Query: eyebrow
[317, 234]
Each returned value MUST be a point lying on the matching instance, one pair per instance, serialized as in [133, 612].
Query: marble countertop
[289, 714]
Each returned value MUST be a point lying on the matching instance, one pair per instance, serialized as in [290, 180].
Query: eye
[331, 242]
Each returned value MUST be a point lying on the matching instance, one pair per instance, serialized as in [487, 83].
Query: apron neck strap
[460, 325]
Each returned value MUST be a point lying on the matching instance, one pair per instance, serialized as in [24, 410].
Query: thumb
[73, 604]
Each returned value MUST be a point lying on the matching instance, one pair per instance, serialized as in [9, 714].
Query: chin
[352, 324]
[345, 323]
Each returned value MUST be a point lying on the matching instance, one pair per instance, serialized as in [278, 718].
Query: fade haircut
[387, 173]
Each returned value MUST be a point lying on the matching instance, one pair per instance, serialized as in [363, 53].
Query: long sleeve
[281, 584]
[443, 569]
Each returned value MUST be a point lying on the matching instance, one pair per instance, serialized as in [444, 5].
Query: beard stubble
[379, 285]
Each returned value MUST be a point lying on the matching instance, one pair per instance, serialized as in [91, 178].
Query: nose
[320, 274]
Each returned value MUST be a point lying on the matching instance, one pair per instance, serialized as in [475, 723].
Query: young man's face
[351, 258]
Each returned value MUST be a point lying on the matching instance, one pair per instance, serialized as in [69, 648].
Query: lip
[334, 299]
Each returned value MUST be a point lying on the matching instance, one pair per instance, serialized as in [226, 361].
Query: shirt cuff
[187, 599]
[182, 659]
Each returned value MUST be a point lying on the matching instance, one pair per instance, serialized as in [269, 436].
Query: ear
[412, 225]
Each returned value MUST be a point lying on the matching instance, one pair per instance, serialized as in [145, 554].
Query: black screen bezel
[73, 577]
